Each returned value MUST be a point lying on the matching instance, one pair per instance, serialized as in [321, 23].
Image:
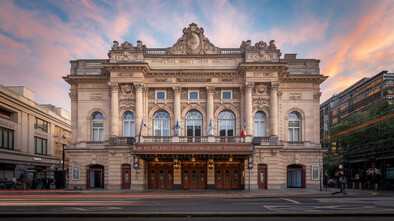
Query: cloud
[364, 50]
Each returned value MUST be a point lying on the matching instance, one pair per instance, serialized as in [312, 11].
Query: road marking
[268, 208]
[293, 201]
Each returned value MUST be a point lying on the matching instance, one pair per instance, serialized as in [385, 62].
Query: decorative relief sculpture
[193, 42]
[177, 89]
[115, 46]
[127, 103]
[126, 56]
[151, 93]
[126, 88]
[295, 96]
[260, 51]
[261, 95]
[126, 52]
[203, 94]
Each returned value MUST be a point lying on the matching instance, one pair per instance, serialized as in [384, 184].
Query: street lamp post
[63, 158]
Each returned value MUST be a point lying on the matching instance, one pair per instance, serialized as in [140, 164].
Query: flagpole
[139, 135]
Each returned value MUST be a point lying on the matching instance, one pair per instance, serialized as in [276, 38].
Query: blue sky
[353, 39]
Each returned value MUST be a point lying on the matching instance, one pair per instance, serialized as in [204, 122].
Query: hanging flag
[139, 135]
[243, 129]
[176, 128]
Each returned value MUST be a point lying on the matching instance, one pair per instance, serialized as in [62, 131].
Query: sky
[352, 38]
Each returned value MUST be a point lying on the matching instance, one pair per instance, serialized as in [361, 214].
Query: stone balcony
[127, 141]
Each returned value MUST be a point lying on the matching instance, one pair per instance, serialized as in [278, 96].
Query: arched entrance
[262, 176]
[295, 176]
[126, 176]
[95, 176]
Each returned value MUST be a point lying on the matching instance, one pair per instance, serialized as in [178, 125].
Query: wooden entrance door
[228, 175]
[126, 176]
[194, 175]
[262, 176]
[160, 175]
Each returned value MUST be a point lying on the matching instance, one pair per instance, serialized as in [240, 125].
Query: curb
[198, 214]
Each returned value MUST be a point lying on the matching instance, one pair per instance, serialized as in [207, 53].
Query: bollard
[359, 185]
[376, 186]
[354, 185]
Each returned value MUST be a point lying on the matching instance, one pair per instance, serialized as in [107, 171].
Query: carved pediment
[193, 42]
[261, 51]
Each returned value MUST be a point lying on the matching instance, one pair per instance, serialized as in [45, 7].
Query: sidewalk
[293, 192]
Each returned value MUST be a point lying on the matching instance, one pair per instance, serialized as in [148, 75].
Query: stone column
[210, 92]
[74, 116]
[177, 106]
[114, 108]
[139, 106]
[274, 108]
[248, 109]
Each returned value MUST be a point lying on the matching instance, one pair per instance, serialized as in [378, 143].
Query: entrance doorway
[194, 175]
[160, 175]
[126, 176]
[95, 176]
[228, 175]
[262, 176]
[295, 176]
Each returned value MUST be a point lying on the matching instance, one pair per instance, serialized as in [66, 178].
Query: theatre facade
[195, 116]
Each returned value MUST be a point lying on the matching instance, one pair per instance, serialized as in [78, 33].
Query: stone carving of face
[126, 88]
[261, 88]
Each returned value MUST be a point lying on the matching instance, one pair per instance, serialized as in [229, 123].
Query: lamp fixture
[156, 158]
[231, 158]
[210, 164]
[193, 158]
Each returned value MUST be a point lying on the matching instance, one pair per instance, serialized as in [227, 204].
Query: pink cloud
[365, 50]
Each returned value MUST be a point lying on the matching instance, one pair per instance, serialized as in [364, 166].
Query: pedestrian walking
[342, 185]
[13, 184]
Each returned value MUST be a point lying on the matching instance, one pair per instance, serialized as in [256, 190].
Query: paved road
[182, 205]
[337, 218]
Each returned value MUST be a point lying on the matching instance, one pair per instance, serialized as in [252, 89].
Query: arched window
[294, 127]
[193, 123]
[128, 125]
[97, 127]
[226, 123]
[259, 124]
[161, 123]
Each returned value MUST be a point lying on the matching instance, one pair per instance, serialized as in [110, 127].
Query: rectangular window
[40, 146]
[6, 138]
[160, 95]
[226, 95]
[41, 125]
[193, 95]
[5, 114]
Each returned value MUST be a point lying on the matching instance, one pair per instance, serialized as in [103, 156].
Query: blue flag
[139, 135]
[176, 128]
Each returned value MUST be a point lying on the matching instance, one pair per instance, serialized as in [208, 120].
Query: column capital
[139, 87]
[177, 89]
[210, 89]
[249, 87]
[114, 86]
[274, 86]
[73, 95]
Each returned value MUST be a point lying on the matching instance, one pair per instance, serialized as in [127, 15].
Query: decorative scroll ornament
[260, 51]
[193, 42]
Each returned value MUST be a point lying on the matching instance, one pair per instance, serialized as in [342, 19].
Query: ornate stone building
[202, 117]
